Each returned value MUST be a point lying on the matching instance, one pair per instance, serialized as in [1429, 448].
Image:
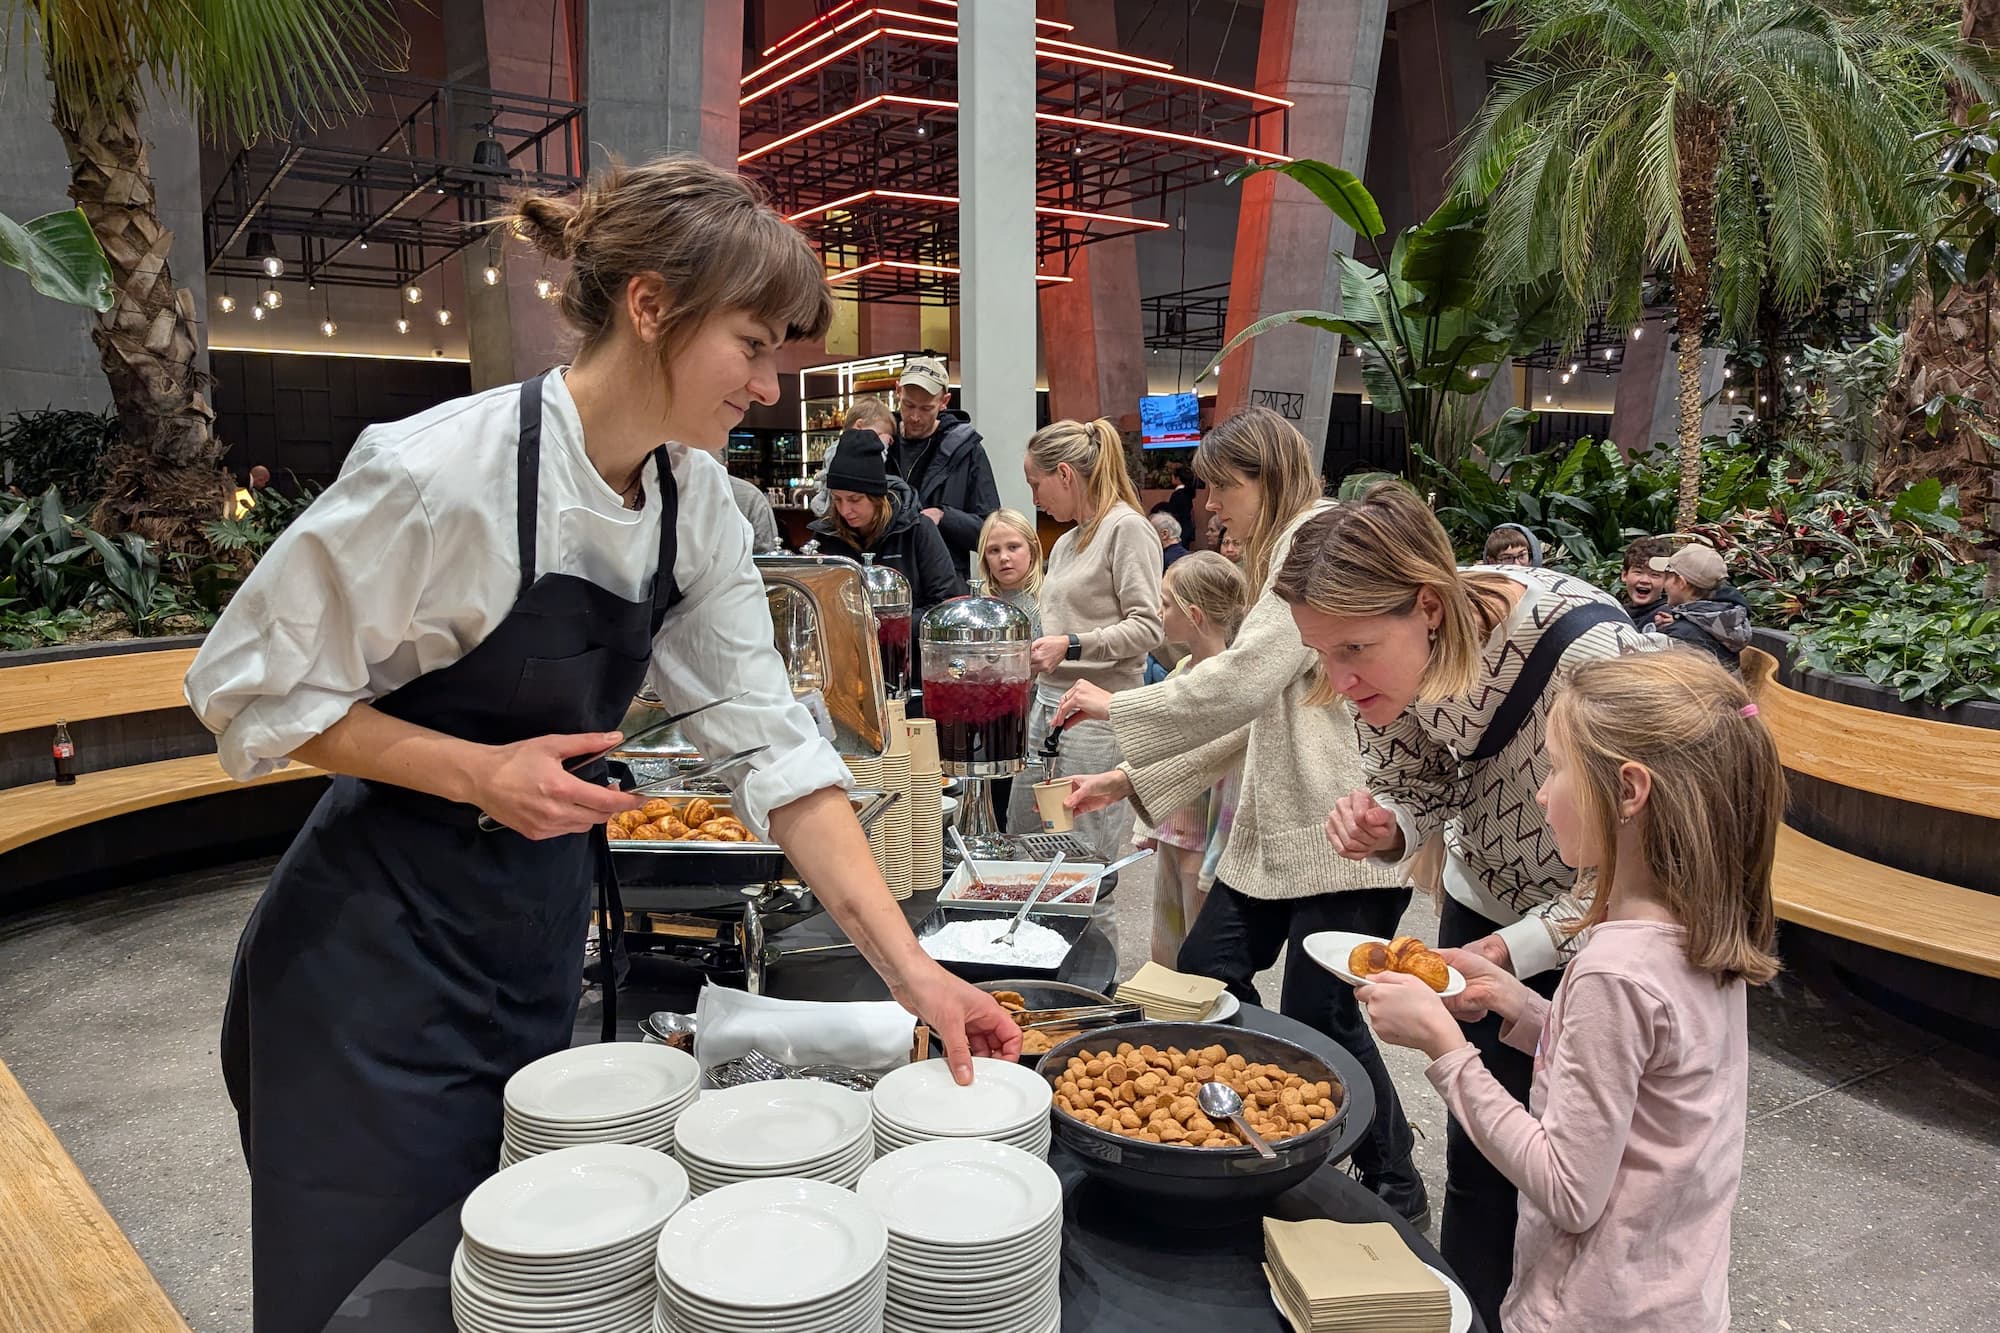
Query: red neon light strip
[948, 269]
[1046, 210]
[1141, 132]
[785, 41]
[835, 31]
[1104, 54]
[804, 70]
[848, 114]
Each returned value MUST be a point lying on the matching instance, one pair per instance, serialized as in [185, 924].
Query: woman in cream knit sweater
[1100, 608]
[1279, 880]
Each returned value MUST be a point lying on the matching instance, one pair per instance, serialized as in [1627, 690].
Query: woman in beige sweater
[1279, 880]
[1100, 602]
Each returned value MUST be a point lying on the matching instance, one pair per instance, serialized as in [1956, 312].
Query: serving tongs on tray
[1080, 1017]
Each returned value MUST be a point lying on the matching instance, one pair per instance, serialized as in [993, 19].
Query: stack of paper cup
[926, 803]
[895, 826]
[868, 774]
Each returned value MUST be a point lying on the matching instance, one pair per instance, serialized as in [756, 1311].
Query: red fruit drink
[892, 632]
[978, 721]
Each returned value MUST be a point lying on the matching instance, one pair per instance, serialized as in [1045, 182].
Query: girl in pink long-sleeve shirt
[1667, 792]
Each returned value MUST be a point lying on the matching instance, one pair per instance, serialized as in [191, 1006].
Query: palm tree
[242, 68]
[1734, 143]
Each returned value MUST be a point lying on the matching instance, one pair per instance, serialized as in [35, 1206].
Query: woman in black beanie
[873, 513]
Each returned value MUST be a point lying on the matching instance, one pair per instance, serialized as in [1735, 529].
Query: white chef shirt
[410, 559]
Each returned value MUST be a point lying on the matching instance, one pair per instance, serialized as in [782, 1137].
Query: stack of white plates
[772, 1256]
[975, 1237]
[1004, 1103]
[564, 1242]
[619, 1092]
[790, 1127]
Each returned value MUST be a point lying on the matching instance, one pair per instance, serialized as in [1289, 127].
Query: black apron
[402, 964]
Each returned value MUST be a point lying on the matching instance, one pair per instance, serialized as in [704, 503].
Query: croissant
[672, 828]
[1402, 947]
[1428, 968]
[646, 833]
[697, 813]
[1368, 958]
[658, 809]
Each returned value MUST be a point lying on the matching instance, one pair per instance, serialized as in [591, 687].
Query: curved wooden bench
[1910, 759]
[34, 697]
[65, 1267]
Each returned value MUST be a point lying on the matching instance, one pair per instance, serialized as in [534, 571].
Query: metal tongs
[488, 824]
[1083, 1016]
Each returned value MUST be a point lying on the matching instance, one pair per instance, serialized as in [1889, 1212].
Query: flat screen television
[1169, 420]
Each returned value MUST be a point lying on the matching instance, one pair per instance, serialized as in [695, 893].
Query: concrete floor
[1871, 1190]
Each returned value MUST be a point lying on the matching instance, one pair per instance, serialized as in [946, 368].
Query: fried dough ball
[1368, 958]
[1149, 1094]
[1010, 1000]
[657, 809]
[1428, 968]
[647, 833]
[672, 828]
[698, 812]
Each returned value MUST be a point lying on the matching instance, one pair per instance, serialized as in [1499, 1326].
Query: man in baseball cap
[1703, 610]
[942, 458]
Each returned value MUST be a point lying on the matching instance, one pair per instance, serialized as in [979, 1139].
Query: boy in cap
[1703, 610]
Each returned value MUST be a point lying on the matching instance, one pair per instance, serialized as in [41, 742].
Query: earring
[1431, 639]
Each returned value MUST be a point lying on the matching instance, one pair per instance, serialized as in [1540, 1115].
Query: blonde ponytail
[1095, 451]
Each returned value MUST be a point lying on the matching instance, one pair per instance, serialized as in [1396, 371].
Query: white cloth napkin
[873, 1035]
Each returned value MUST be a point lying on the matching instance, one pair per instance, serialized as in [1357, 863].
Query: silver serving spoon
[965, 855]
[1219, 1101]
[1022, 915]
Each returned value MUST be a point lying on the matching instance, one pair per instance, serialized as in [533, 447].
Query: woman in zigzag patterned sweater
[1451, 673]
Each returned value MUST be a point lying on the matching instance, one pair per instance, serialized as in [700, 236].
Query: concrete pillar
[47, 358]
[1091, 327]
[1444, 80]
[663, 78]
[996, 228]
[1324, 57]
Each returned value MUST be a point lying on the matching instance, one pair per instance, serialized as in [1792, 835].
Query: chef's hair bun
[545, 222]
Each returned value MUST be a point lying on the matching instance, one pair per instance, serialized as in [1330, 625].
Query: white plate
[1002, 1097]
[603, 1083]
[761, 1244]
[961, 1192]
[1226, 1007]
[772, 1125]
[1330, 948]
[1461, 1308]
[575, 1201]
[935, 1271]
[660, 1116]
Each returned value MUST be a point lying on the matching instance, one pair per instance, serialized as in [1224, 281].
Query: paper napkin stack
[1169, 996]
[1346, 1277]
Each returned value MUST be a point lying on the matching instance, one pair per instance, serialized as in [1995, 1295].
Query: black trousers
[1480, 1205]
[1237, 936]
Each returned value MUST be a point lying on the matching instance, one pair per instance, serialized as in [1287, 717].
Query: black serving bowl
[1071, 928]
[1040, 994]
[1222, 1176]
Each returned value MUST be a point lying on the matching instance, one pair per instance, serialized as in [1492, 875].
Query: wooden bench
[65, 1267]
[1935, 764]
[92, 687]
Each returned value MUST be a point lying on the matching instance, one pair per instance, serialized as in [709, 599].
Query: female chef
[475, 600]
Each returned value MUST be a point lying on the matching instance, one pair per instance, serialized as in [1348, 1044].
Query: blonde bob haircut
[1372, 557]
[1207, 582]
[1013, 520]
[1095, 451]
[1709, 831]
[1259, 445]
[706, 232]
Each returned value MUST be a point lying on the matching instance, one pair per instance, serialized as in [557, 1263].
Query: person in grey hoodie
[1703, 610]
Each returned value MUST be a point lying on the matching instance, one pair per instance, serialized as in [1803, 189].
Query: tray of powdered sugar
[965, 940]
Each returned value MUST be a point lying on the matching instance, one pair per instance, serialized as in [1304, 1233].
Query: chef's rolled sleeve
[717, 641]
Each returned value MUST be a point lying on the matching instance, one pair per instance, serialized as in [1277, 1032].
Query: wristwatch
[1075, 649]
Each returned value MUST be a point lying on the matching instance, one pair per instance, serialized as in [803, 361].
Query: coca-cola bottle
[65, 755]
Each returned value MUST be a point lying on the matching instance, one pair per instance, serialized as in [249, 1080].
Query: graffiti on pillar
[1290, 406]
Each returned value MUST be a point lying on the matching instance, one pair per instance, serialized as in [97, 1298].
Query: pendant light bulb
[413, 293]
[402, 325]
[491, 274]
[274, 267]
[257, 313]
[328, 328]
[444, 316]
[273, 298]
[226, 303]
[545, 287]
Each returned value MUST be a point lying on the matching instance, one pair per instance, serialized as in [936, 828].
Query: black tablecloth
[1128, 1265]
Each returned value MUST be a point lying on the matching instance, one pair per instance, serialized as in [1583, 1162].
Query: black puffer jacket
[911, 545]
[949, 471]
[1718, 624]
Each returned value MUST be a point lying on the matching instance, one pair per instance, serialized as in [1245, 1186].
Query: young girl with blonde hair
[1665, 791]
[1100, 607]
[1203, 601]
[1253, 704]
[1010, 560]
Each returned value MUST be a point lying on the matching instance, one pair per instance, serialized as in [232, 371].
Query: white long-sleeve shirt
[410, 559]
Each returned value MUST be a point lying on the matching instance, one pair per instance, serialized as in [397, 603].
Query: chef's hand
[965, 1018]
[1094, 791]
[1406, 1012]
[1489, 988]
[526, 788]
[1494, 950]
[1084, 700]
[1360, 828]
[1047, 653]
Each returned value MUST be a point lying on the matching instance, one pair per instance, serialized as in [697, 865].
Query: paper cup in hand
[1049, 800]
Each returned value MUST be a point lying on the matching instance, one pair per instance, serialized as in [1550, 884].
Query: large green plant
[1738, 144]
[60, 255]
[244, 69]
[57, 447]
[1429, 339]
